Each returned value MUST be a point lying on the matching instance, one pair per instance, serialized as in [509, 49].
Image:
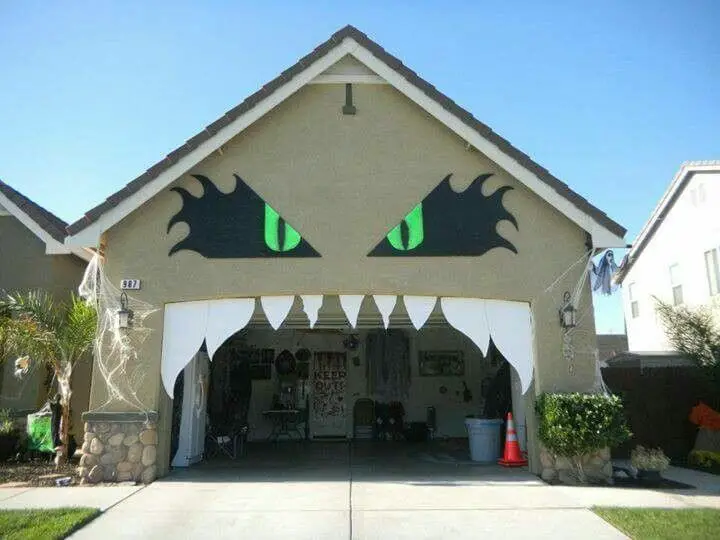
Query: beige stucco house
[33, 256]
[346, 197]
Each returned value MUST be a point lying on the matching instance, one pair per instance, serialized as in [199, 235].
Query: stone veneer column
[597, 467]
[119, 447]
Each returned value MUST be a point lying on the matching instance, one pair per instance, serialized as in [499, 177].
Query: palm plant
[55, 333]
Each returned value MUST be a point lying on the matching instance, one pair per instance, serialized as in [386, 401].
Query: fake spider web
[116, 349]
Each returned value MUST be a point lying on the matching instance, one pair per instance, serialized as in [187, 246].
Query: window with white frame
[712, 271]
[676, 284]
[634, 305]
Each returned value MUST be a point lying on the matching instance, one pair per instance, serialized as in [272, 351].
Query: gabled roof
[347, 41]
[667, 201]
[44, 224]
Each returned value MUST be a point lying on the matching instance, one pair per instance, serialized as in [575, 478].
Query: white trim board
[52, 246]
[602, 237]
[341, 78]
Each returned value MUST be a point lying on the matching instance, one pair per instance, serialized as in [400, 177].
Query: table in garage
[285, 422]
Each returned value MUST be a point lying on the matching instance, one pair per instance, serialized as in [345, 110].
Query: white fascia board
[602, 237]
[90, 236]
[61, 249]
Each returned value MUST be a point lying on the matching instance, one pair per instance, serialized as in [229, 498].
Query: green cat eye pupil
[414, 233]
[290, 239]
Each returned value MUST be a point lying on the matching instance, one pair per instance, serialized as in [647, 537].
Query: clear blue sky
[611, 96]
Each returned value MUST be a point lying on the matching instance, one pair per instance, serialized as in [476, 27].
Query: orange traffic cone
[512, 456]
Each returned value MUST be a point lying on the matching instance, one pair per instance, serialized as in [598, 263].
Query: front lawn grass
[43, 524]
[641, 523]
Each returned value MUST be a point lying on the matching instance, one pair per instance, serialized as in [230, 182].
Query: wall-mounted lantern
[352, 342]
[568, 313]
[125, 314]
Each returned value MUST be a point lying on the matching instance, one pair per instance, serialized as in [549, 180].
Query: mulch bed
[710, 470]
[37, 472]
[665, 483]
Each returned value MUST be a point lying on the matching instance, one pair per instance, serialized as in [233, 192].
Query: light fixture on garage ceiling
[568, 313]
[125, 314]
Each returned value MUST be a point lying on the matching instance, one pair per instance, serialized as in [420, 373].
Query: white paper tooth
[351, 306]
[225, 317]
[385, 304]
[311, 306]
[183, 333]
[511, 329]
[467, 315]
[276, 308]
[419, 309]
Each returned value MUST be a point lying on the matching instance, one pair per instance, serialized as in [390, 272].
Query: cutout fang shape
[385, 304]
[447, 223]
[467, 315]
[351, 306]
[184, 326]
[311, 306]
[225, 317]
[235, 225]
[276, 308]
[419, 309]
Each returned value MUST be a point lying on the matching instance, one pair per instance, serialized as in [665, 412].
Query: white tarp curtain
[187, 324]
[508, 323]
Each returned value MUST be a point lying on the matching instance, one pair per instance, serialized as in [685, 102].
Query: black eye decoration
[450, 224]
[235, 225]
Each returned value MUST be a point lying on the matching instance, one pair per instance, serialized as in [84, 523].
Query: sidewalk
[101, 498]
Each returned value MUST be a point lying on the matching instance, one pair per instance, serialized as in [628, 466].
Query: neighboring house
[610, 345]
[33, 256]
[675, 257]
[307, 219]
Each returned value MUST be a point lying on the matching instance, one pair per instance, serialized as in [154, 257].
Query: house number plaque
[130, 284]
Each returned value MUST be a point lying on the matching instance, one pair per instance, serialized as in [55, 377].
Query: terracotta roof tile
[45, 219]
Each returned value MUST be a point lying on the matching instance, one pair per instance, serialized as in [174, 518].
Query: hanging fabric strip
[419, 309]
[276, 309]
[183, 333]
[225, 317]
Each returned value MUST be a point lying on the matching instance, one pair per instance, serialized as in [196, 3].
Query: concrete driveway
[336, 492]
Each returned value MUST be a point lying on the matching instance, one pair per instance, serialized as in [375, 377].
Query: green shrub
[705, 459]
[571, 425]
[7, 426]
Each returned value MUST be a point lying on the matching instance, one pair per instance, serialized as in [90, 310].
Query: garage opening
[288, 393]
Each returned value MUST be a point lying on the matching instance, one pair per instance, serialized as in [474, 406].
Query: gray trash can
[484, 438]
